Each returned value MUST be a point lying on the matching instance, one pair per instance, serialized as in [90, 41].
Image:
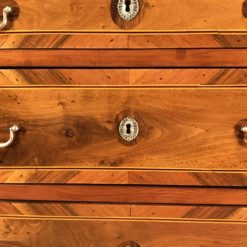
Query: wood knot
[69, 133]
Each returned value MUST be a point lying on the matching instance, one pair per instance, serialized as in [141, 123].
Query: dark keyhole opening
[128, 128]
[127, 5]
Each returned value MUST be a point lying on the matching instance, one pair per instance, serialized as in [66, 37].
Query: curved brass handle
[6, 12]
[12, 131]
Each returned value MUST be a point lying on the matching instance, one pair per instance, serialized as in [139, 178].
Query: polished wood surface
[63, 77]
[125, 58]
[95, 15]
[122, 40]
[125, 177]
[123, 77]
[38, 232]
[64, 127]
[124, 194]
[126, 211]
[65, 41]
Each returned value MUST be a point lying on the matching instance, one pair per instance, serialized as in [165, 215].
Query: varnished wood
[182, 128]
[121, 40]
[61, 77]
[189, 212]
[188, 76]
[187, 40]
[158, 16]
[124, 194]
[125, 58]
[120, 77]
[130, 211]
[90, 210]
[63, 41]
[131, 177]
[67, 176]
[38, 232]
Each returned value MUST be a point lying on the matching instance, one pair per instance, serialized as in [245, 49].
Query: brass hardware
[6, 11]
[12, 132]
[128, 9]
[128, 129]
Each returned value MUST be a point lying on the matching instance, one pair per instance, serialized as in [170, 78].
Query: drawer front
[143, 128]
[103, 15]
[38, 232]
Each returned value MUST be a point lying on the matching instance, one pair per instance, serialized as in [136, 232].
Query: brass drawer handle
[12, 132]
[6, 12]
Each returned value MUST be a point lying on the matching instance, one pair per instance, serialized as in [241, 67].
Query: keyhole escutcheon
[127, 5]
[128, 9]
[128, 129]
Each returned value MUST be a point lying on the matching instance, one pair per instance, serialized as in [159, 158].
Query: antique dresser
[123, 123]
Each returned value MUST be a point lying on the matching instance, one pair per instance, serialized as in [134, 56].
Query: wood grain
[95, 15]
[124, 194]
[123, 77]
[188, 76]
[63, 41]
[125, 58]
[38, 232]
[127, 177]
[121, 40]
[187, 40]
[67, 176]
[181, 128]
[90, 210]
[61, 77]
[130, 211]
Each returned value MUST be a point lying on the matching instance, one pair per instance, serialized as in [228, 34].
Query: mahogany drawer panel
[40, 232]
[123, 77]
[178, 128]
[155, 15]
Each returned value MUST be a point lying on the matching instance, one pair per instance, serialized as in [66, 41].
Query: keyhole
[127, 5]
[128, 129]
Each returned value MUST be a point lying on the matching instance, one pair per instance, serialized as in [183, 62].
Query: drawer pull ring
[6, 12]
[128, 9]
[12, 132]
[129, 129]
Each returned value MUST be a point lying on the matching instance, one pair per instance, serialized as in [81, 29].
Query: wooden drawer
[102, 15]
[46, 232]
[178, 128]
